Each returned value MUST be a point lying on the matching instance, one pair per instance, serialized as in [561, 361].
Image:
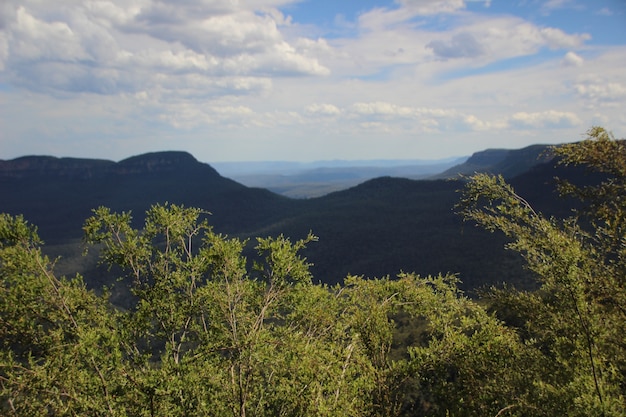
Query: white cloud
[285, 59]
[36, 39]
[323, 109]
[550, 119]
[515, 37]
[600, 91]
[481, 40]
[110, 13]
[571, 59]
[313, 46]
[432, 7]
[383, 109]
[557, 39]
[112, 47]
[228, 75]
[381, 18]
[421, 118]
[185, 115]
[241, 32]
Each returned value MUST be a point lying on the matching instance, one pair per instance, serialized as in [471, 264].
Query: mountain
[380, 227]
[315, 179]
[507, 162]
[58, 194]
[388, 225]
[41, 166]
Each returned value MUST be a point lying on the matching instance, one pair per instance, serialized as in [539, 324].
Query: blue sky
[308, 80]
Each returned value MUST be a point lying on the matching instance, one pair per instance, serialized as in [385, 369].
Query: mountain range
[379, 227]
[315, 179]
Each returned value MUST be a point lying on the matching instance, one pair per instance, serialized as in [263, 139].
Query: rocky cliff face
[84, 169]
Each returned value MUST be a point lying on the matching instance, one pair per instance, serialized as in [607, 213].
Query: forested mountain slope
[383, 226]
[58, 194]
[507, 162]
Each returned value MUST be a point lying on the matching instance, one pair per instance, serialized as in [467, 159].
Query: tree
[59, 345]
[576, 321]
[462, 361]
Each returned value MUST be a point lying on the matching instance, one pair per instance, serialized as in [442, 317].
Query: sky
[305, 80]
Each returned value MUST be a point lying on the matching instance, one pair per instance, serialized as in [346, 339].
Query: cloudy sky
[236, 80]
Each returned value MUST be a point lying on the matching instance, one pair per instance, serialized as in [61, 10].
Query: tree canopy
[576, 321]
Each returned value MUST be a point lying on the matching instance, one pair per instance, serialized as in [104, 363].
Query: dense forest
[215, 329]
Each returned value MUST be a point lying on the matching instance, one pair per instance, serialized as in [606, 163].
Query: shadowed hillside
[381, 227]
[58, 194]
[508, 162]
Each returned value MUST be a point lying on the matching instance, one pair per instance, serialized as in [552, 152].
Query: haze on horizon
[298, 80]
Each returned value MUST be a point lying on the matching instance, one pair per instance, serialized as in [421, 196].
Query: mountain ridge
[489, 160]
[382, 226]
[86, 168]
[506, 162]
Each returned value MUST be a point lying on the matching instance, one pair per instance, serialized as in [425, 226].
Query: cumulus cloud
[404, 68]
[598, 91]
[114, 46]
[240, 32]
[40, 40]
[509, 37]
[557, 39]
[167, 12]
[571, 59]
[484, 40]
[550, 119]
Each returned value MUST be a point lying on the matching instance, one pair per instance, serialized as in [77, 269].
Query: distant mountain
[49, 166]
[242, 168]
[84, 169]
[507, 162]
[315, 179]
[58, 194]
[382, 226]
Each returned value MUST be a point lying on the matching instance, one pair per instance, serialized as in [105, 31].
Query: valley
[382, 226]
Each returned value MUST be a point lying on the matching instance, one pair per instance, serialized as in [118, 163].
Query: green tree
[576, 321]
[210, 336]
[59, 347]
[211, 333]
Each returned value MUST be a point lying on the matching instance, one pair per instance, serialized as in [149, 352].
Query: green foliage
[576, 321]
[59, 344]
[213, 334]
